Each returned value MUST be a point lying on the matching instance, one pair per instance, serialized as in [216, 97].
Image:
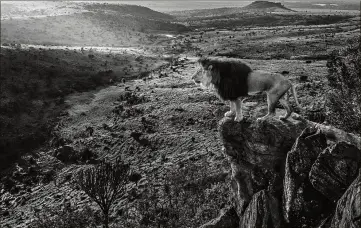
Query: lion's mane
[229, 76]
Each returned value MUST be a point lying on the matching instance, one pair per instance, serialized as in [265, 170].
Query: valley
[107, 81]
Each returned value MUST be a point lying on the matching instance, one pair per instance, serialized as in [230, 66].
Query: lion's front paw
[228, 114]
[263, 118]
[260, 119]
[238, 118]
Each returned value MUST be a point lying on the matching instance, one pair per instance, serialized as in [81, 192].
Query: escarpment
[291, 174]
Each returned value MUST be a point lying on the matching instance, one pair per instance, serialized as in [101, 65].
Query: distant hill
[96, 24]
[208, 12]
[257, 6]
[130, 10]
[266, 6]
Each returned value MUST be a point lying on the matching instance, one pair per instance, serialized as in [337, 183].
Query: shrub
[104, 183]
[66, 217]
[132, 98]
[186, 197]
[344, 97]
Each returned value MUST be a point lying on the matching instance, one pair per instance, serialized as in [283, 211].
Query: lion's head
[227, 75]
[202, 76]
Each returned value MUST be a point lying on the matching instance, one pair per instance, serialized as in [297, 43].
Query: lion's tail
[293, 90]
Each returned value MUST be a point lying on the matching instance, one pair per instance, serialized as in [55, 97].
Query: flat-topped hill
[266, 6]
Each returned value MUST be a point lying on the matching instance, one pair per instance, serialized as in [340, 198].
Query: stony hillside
[95, 24]
[160, 123]
[34, 83]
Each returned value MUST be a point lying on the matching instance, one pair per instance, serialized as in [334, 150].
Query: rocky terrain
[108, 89]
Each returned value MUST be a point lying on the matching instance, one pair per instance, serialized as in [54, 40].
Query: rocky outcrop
[303, 204]
[292, 173]
[335, 169]
[227, 219]
[262, 211]
[256, 151]
[348, 211]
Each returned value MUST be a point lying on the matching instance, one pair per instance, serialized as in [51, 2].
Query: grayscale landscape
[101, 124]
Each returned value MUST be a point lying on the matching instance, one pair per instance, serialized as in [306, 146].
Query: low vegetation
[344, 97]
[65, 217]
[235, 20]
[188, 197]
[104, 183]
[34, 86]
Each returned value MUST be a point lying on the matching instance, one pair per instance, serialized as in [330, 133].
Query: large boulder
[262, 212]
[304, 205]
[335, 169]
[227, 219]
[256, 151]
[348, 211]
[257, 212]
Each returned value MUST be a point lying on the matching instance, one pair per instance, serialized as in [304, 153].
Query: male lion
[233, 79]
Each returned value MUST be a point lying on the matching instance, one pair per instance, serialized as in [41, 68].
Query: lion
[234, 79]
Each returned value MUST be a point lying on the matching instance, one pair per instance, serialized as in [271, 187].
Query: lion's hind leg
[274, 95]
[271, 102]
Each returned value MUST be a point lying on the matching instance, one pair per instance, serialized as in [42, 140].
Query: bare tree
[104, 183]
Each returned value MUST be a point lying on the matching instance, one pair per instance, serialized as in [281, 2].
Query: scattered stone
[7, 183]
[5, 213]
[88, 156]
[65, 154]
[135, 177]
[335, 169]
[106, 127]
[135, 135]
[89, 130]
[303, 78]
